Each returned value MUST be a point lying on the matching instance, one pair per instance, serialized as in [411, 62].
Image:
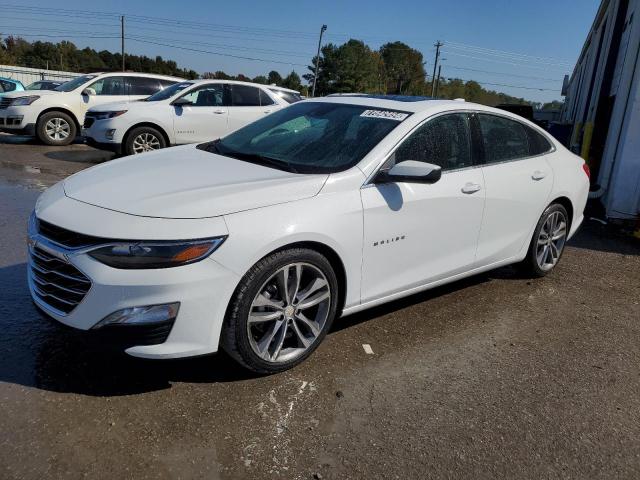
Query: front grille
[55, 282]
[4, 103]
[67, 238]
[88, 121]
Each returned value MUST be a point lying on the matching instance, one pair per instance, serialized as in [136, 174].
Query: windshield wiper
[214, 147]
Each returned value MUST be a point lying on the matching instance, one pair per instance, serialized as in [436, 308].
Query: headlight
[145, 254]
[105, 115]
[24, 100]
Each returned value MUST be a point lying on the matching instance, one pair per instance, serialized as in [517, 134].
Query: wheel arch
[155, 126]
[66, 111]
[568, 206]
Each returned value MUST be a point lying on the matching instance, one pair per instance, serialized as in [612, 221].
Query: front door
[418, 233]
[205, 118]
[104, 90]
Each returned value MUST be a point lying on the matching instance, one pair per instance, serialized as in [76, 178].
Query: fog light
[141, 315]
[110, 133]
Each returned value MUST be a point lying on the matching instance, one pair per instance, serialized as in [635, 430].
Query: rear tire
[143, 139]
[548, 241]
[281, 311]
[56, 128]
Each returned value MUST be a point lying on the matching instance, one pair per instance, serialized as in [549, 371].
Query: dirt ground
[496, 376]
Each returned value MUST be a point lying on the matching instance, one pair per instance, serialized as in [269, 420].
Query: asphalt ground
[496, 376]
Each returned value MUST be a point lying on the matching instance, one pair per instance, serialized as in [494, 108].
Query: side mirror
[89, 92]
[410, 171]
[182, 102]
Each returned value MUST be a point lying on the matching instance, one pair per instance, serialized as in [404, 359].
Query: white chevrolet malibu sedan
[255, 243]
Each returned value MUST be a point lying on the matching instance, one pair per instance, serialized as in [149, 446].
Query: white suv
[187, 112]
[55, 116]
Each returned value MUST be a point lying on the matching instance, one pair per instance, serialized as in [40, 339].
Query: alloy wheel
[551, 240]
[57, 129]
[288, 314]
[145, 142]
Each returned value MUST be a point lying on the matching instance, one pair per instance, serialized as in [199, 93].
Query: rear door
[518, 181]
[248, 104]
[204, 118]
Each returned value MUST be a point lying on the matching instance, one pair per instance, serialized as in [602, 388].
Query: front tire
[144, 139]
[56, 128]
[281, 310]
[547, 244]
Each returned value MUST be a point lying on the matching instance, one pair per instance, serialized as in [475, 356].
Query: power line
[524, 87]
[217, 53]
[504, 52]
[493, 60]
[505, 74]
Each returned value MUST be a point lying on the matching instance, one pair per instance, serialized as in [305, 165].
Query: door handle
[538, 175]
[219, 112]
[471, 188]
[267, 111]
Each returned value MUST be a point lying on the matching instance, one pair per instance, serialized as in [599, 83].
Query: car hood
[186, 182]
[109, 107]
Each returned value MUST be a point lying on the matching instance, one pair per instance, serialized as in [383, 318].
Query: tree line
[395, 68]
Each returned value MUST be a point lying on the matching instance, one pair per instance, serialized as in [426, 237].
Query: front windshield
[168, 92]
[311, 137]
[75, 83]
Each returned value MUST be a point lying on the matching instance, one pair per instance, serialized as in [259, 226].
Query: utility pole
[438, 80]
[315, 75]
[122, 39]
[438, 44]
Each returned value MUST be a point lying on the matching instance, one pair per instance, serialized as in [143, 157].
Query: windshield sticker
[387, 114]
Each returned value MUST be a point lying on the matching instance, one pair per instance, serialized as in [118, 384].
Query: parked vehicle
[55, 116]
[8, 85]
[44, 85]
[187, 112]
[255, 243]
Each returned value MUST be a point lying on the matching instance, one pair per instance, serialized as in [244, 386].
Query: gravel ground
[496, 376]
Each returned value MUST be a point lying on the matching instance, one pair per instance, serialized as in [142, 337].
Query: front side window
[444, 141]
[168, 92]
[503, 139]
[109, 86]
[206, 96]
[143, 86]
[7, 86]
[245, 96]
[313, 137]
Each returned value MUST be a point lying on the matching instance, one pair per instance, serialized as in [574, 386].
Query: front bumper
[203, 290]
[18, 120]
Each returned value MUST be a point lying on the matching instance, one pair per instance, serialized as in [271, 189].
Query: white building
[603, 104]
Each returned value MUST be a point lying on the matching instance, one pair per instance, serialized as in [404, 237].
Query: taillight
[585, 167]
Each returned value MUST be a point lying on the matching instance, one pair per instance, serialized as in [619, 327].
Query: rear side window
[443, 141]
[265, 99]
[245, 96]
[143, 86]
[537, 143]
[503, 139]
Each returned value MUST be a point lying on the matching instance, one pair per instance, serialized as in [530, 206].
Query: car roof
[406, 103]
[138, 74]
[240, 82]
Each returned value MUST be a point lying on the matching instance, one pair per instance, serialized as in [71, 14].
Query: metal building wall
[30, 75]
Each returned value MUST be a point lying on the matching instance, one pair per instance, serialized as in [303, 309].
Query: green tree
[274, 77]
[403, 69]
[260, 79]
[292, 81]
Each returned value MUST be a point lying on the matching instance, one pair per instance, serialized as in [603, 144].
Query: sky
[520, 47]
